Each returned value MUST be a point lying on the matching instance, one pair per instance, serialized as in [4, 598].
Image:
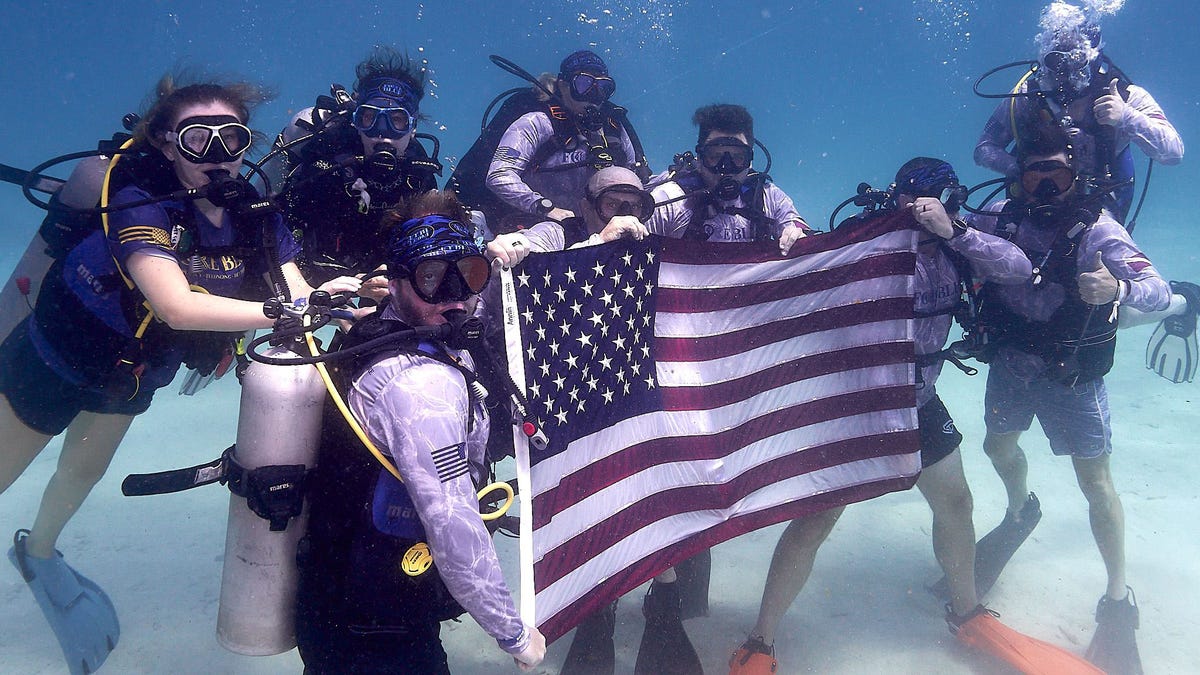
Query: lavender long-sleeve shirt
[416, 409]
[936, 289]
[513, 179]
[1143, 123]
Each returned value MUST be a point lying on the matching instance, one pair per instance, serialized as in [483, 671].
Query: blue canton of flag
[588, 319]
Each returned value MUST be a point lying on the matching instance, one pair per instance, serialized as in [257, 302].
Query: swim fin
[665, 647]
[693, 578]
[80, 614]
[1171, 351]
[983, 631]
[996, 548]
[592, 651]
[1114, 645]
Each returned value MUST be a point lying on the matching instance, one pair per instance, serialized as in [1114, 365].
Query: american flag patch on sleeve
[450, 462]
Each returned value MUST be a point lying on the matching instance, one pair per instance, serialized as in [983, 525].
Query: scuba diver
[159, 286]
[1076, 86]
[716, 195]
[420, 403]
[1054, 338]
[950, 257]
[346, 161]
[534, 157]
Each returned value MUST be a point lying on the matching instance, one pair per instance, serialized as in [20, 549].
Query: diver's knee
[1001, 447]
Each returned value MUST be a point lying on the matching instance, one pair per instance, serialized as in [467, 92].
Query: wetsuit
[67, 356]
[357, 612]
[336, 212]
[533, 162]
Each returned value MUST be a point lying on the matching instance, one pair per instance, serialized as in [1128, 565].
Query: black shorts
[45, 402]
[939, 436]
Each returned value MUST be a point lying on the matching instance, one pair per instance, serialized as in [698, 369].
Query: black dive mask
[725, 156]
[1043, 181]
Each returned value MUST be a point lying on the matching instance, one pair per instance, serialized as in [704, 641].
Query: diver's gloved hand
[508, 249]
[1109, 109]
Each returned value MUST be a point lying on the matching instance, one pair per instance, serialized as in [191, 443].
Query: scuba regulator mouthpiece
[383, 160]
[591, 119]
[234, 193]
[461, 330]
[727, 188]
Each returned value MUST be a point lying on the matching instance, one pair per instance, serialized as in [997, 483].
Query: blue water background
[841, 92]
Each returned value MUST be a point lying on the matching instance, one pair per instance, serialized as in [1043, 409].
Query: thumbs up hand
[1109, 109]
[1098, 286]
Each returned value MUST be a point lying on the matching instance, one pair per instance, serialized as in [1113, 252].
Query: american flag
[692, 392]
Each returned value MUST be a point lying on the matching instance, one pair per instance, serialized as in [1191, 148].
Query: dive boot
[1114, 645]
[754, 657]
[665, 647]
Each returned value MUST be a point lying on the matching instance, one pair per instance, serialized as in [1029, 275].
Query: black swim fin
[693, 578]
[665, 647]
[1114, 645]
[1171, 351]
[592, 651]
[996, 548]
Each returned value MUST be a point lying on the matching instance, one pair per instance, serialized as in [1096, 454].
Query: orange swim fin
[983, 631]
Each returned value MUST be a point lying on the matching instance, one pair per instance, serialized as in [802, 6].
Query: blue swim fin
[80, 614]
[1172, 351]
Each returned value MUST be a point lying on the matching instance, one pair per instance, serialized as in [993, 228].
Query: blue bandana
[927, 180]
[433, 236]
[397, 92]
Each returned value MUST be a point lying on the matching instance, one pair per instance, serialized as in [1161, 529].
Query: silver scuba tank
[279, 424]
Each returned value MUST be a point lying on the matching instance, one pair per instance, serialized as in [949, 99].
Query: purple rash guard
[936, 289]
[520, 185]
[413, 406]
[1141, 286]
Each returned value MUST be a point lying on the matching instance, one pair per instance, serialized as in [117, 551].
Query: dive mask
[1046, 179]
[439, 280]
[211, 139]
[589, 88]
[623, 200]
[379, 121]
[725, 156]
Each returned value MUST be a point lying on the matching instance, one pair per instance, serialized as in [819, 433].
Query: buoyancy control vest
[1078, 340]
[1105, 163]
[335, 199]
[110, 338]
[701, 202]
[362, 522]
